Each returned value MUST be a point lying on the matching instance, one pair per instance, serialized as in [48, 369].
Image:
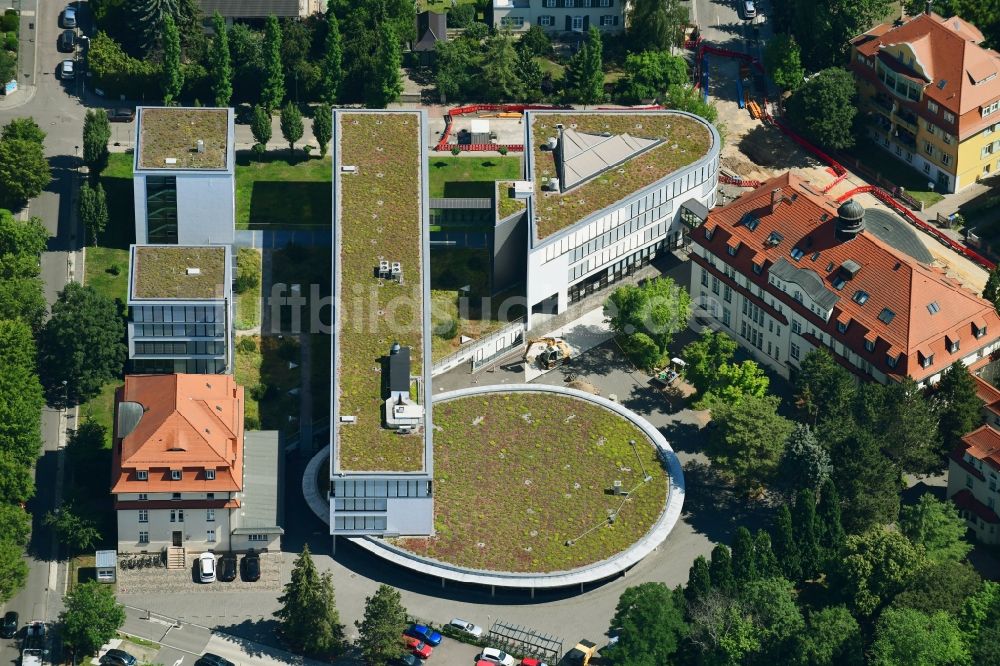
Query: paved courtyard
[159, 580]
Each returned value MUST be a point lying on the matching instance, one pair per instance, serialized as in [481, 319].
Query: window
[952, 346]
[860, 297]
[605, 3]
[726, 316]
[796, 327]
[949, 116]
[210, 536]
[546, 20]
[946, 137]
[549, 4]
[968, 481]
[570, 3]
[757, 268]
[891, 360]
[141, 475]
[886, 316]
[715, 285]
[797, 253]
[794, 353]
[704, 277]
[209, 495]
[732, 249]
[210, 474]
[987, 110]
[709, 232]
[727, 294]
[986, 170]
[177, 515]
[175, 475]
[257, 537]
[927, 168]
[926, 361]
[608, 20]
[143, 537]
[929, 148]
[979, 332]
[143, 516]
[143, 497]
[161, 209]
[932, 107]
[869, 345]
[210, 515]
[842, 326]
[945, 159]
[512, 21]
[577, 21]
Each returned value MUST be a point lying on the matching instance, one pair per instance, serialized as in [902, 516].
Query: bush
[447, 329]
[247, 270]
[455, 150]
[251, 423]
[502, 150]
[10, 41]
[10, 22]
[246, 344]
[461, 16]
[258, 150]
[8, 66]
[114, 269]
[258, 391]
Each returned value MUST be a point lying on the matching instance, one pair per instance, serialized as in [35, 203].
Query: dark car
[227, 568]
[67, 41]
[407, 660]
[209, 659]
[122, 114]
[250, 566]
[9, 627]
[116, 657]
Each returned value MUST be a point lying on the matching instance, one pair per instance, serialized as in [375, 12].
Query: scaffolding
[513, 638]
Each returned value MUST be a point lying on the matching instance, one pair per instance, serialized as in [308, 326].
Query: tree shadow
[300, 204]
[249, 635]
[714, 508]
[766, 146]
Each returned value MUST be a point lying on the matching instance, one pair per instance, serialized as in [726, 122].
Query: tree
[273, 89]
[459, 63]
[824, 30]
[907, 637]
[584, 76]
[685, 97]
[705, 356]
[21, 404]
[15, 526]
[940, 586]
[463, 16]
[747, 439]
[147, 18]
[822, 388]
[657, 25]
[936, 528]
[823, 109]
[96, 134]
[24, 171]
[720, 570]
[500, 69]
[77, 533]
[699, 581]
[734, 382]
[782, 60]
[310, 623]
[831, 531]
[722, 630]
[535, 41]
[659, 308]
[220, 66]
[649, 619]
[805, 462]
[322, 127]
[960, 405]
[832, 638]
[806, 534]
[905, 422]
[385, 82]
[13, 569]
[81, 343]
[16, 484]
[649, 74]
[642, 350]
[93, 207]
[786, 548]
[260, 126]
[531, 76]
[765, 563]
[744, 560]
[333, 57]
[246, 52]
[991, 291]
[867, 481]
[92, 617]
[874, 568]
[384, 621]
[291, 125]
[771, 601]
[23, 128]
[173, 73]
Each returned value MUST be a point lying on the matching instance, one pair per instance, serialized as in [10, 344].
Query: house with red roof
[930, 94]
[785, 269]
[973, 471]
[184, 472]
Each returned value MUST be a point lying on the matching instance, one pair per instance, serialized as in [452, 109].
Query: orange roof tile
[989, 394]
[910, 307]
[983, 443]
[191, 423]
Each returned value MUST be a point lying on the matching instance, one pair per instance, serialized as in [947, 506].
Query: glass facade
[161, 209]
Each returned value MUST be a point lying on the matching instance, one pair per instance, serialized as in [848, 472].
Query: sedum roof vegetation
[519, 474]
[162, 272]
[174, 132]
[380, 216]
[556, 211]
[507, 205]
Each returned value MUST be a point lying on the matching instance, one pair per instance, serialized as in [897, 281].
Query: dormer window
[757, 268]
[869, 345]
[797, 253]
[175, 475]
[732, 249]
[891, 360]
[210, 474]
[141, 475]
[926, 361]
[860, 297]
[980, 331]
[953, 344]
[842, 326]
[709, 232]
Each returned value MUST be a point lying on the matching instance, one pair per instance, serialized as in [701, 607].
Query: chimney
[199, 146]
[775, 198]
[928, 8]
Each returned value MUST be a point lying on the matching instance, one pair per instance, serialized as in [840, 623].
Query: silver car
[69, 17]
[66, 70]
[467, 627]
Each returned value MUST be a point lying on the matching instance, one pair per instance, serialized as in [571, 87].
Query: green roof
[507, 205]
[380, 218]
[173, 133]
[163, 271]
[557, 211]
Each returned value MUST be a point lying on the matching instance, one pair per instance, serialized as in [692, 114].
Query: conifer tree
[960, 404]
[785, 548]
[721, 570]
[831, 531]
[991, 291]
[383, 623]
[744, 564]
[322, 127]
[765, 563]
[385, 82]
[806, 538]
[699, 581]
[333, 57]
[308, 615]
[220, 65]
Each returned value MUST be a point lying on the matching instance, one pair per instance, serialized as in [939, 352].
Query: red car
[418, 647]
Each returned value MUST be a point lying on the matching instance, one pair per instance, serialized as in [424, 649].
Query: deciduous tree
[747, 439]
[92, 617]
[383, 622]
[535, 41]
[96, 134]
[685, 97]
[21, 403]
[722, 630]
[310, 623]
[823, 109]
[260, 126]
[874, 568]
[783, 62]
[735, 382]
[771, 602]
[333, 57]
[23, 128]
[822, 388]
[940, 586]
[385, 82]
[905, 636]
[15, 524]
[649, 74]
[936, 528]
[13, 569]
[658, 308]
[291, 125]
[93, 210]
[173, 73]
[24, 171]
[705, 356]
[991, 291]
[657, 25]
[832, 638]
[78, 533]
[322, 127]
[220, 66]
[650, 623]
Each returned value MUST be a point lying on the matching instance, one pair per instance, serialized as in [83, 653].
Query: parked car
[250, 567]
[115, 657]
[227, 568]
[531, 661]
[467, 627]
[10, 625]
[66, 70]
[497, 656]
[69, 17]
[122, 114]
[209, 659]
[406, 660]
[749, 9]
[418, 647]
[426, 634]
[206, 568]
[67, 41]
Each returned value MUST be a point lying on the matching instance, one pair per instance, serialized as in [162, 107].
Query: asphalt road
[59, 113]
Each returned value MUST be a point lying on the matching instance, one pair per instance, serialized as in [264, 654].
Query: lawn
[249, 265]
[449, 326]
[263, 369]
[117, 182]
[440, 6]
[282, 194]
[896, 172]
[517, 476]
[470, 176]
[106, 271]
[81, 569]
[101, 408]
[550, 67]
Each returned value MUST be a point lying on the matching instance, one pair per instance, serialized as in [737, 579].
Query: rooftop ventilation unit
[348, 169]
[348, 419]
[551, 185]
[551, 144]
[850, 268]
[522, 189]
[170, 161]
[199, 146]
[193, 271]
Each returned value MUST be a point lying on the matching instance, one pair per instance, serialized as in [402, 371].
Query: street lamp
[65, 394]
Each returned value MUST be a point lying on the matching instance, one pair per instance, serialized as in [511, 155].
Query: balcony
[906, 118]
[884, 102]
[879, 122]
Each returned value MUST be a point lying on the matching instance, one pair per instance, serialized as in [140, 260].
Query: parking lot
[158, 580]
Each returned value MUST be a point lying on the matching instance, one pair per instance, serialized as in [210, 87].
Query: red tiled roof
[178, 504]
[988, 393]
[958, 74]
[191, 423]
[966, 500]
[983, 443]
[926, 305]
